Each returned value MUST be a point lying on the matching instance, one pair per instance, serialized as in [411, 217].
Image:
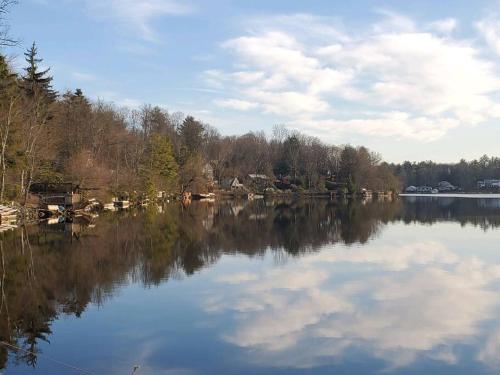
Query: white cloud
[239, 105]
[407, 255]
[287, 103]
[136, 15]
[316, 27]
[419, 72]
[490, 30]
[276, 52]
[400, 302]
[403, 74]
[393, 22]
[83, 77]
[214, 77]
[398, 125]
[237, 278]
[490, 352]
[444, 26]
[247, 77]
[120, 101]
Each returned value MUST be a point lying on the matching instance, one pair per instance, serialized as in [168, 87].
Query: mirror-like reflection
[258, 287]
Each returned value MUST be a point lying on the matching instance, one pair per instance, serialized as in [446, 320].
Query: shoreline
[454, 195]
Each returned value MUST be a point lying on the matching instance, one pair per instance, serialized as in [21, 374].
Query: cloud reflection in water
[396, 302]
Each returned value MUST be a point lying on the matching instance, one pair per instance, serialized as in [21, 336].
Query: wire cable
[67, 365]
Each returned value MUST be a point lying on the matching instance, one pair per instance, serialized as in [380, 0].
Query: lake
[306, 287]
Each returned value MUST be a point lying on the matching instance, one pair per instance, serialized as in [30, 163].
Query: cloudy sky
[413, 80]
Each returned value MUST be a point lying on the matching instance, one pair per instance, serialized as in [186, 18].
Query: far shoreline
[454, 195]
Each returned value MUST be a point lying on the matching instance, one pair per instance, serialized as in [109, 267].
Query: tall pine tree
[159, 169]
[36, 81]
[38, 98]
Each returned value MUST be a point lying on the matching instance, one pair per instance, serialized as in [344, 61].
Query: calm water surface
[316, 287]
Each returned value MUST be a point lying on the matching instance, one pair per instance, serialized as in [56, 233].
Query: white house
[232, 184]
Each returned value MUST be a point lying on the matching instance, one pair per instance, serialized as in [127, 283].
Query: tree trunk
[5, 138]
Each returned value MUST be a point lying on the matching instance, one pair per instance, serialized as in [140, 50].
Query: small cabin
[232, 184]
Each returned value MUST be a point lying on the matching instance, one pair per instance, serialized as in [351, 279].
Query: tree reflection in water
[49, 270]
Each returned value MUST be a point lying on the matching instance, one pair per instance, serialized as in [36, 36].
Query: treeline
[464, 174]
[49, 137]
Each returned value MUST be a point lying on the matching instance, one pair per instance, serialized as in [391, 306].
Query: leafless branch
[5, 39]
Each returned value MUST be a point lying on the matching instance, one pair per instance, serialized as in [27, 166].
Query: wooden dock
[8, 218]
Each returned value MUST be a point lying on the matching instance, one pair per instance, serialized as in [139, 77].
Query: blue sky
[413, 80]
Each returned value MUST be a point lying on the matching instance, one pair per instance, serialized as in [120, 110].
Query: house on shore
[258, 182]
[445, 186]
[488, 184]
[411, 189]
[232, 184]
[442, 187]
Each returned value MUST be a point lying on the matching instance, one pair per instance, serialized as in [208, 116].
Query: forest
[51, 137]
[464, 174]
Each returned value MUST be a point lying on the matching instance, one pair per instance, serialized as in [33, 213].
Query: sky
[412, 80]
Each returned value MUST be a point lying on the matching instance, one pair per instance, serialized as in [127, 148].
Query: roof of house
[261, 176]
[445, 183]
[231, 181]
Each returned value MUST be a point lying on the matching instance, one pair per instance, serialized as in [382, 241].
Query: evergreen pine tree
[34, 80]
[159, 170]
[191, 132]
